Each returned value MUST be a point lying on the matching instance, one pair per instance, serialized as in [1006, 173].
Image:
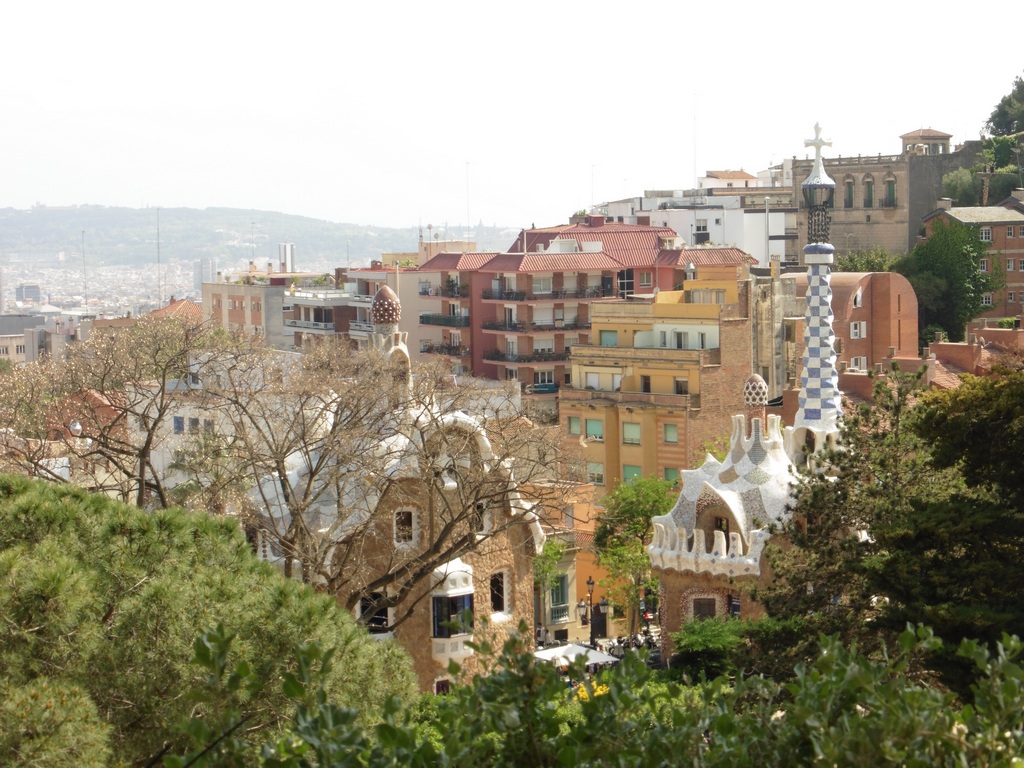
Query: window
[595, 472]
[3, 350]
[512, 374]
[858, 298]
[645, 383]
[722, 524]
[608, 338]
[569, 516]
[859, 329]
[703, 608]
[193, 424]
[442, 687]
[595, 429]
[424, 344]
[616, 382]
[646, 279]
[541, 284]
[377, 621]
[1010, 264]
[593, 381]
[682, 386]
[1020, 264]
[560, 598]
[19, 349]
[573, 424]
[671, 433]
[890, 193]
[1009, 231]
[543, 377]
[986, 234]
[405, 526]
[662, 338]
[983, 265]
[630, 472]
[499, 593]
[702, 225]
[848, 196]
[481, 517]
[986, 299]
[869, 193]
[207, 425]
[179, 425]
[448, 615]
[630, 433]
[672, 475]
[858, 363]
[1011, 297]
[734, 606]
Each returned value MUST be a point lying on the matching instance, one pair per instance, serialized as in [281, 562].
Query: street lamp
[590, 600]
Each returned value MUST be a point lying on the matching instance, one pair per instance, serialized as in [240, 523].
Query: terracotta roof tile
[945, 375]
[705, 257]
[729, 175]
[551, 262]
[183, 309]
[457, 262]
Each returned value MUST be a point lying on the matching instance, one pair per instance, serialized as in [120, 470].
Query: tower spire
[819, 409]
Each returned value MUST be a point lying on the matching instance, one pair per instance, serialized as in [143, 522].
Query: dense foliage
[1008, 116]
[915, 523]
[945, 271]
[624, 530]
[102, 603]
[839, 709]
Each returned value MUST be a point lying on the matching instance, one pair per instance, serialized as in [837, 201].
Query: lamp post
[590, 601]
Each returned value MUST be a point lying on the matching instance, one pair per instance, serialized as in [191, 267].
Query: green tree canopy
[872, 260]
[102, 603]
[623, 532]
[1008, 116]
[947, 269]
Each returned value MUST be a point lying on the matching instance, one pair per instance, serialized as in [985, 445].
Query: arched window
[889, 201]
[406, 526]
[848, 191]
[869, 191]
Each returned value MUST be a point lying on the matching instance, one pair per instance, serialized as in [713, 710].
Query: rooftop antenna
[252, 239]
[85, 279]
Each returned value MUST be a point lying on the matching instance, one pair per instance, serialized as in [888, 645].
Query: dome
[385, 309]
[755, 391]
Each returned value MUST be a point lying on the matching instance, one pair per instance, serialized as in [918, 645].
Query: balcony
[540, 389]
[445, 649]
[588, 293]
[532, 357]
[445, 292]
[556, 325]
[309, 325]
[448, 350]
[360, 326]
[448, 321]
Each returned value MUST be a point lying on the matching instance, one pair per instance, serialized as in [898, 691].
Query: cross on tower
[817, 142]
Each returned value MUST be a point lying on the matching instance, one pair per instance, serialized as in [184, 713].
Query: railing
[450, 350]
[533, 357]
[444, 649]
[559, 613]
[309, 324]
[555, 325]
[359, 325]
[888, 203]
[540, 389]
[589, 293]
[449, 321]
[446, 293]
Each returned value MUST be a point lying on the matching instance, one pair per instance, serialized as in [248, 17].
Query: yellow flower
[582, 695]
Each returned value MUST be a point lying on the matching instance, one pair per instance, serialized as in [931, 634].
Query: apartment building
[1002, 227]
[659, 379]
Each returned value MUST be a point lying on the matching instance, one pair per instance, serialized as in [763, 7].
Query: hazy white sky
[403, 113]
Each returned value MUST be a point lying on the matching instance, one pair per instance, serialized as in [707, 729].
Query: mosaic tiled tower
[818, 409]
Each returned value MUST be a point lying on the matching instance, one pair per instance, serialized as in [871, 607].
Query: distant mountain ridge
[128, 236]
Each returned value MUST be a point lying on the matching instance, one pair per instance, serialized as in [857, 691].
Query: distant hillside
[129, 236]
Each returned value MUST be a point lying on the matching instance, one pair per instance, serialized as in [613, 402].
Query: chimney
[270, 267]
[938, 336]
[595, 221]
[892, 351]
[643, 220]
[1018, 194]
[944, 203]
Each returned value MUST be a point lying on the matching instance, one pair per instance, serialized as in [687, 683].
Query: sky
[446, 113]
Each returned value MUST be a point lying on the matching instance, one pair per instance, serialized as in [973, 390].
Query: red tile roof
[631, 245]
[730, 175]
[705, 257]
[458, 262]
[551, 262]
[181, 309]
[926, 133]
[945, 375]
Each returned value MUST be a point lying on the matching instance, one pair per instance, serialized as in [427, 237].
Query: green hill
[129, 236]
